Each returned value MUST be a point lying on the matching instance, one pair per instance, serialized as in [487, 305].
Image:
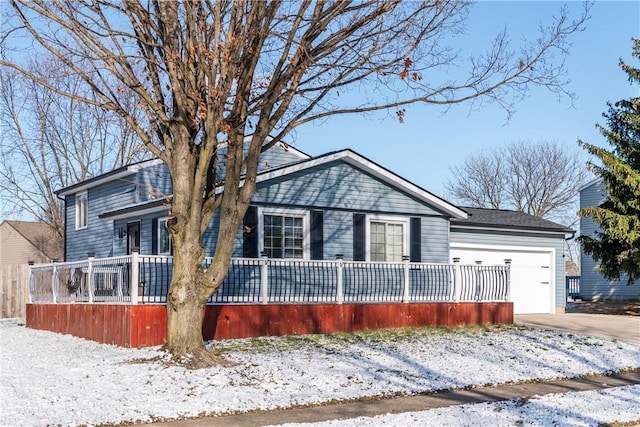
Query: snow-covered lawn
[48, 378]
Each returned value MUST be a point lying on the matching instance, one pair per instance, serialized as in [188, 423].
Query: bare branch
[540, 178]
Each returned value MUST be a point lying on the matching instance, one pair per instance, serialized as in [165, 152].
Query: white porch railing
[135, 279]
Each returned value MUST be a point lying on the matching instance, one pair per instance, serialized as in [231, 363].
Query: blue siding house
[593, 286]
[315, 208]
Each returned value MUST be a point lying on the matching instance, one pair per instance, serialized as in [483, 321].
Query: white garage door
[532, 276]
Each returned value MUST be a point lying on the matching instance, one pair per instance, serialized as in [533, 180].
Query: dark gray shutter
[250, 233]
[317, 235]
[154, 236]
[359, 238]
[415, 240]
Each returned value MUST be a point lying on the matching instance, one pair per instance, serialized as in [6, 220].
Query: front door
[133, 237]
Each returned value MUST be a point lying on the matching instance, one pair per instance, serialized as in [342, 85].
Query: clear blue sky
[424, 147]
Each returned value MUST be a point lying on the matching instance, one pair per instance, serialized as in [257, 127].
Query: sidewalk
[411, 403]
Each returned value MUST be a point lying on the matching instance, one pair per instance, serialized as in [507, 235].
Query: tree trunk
[184, 318]
[190, 289]
[186, 301]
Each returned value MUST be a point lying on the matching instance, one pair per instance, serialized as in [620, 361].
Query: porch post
[479, 279]
[457, 285]
[135, 271]
[31, 280]
[54, 279]
[339, 291]
[264, 279]
[405, 296]
[507, 261]
[90, 258]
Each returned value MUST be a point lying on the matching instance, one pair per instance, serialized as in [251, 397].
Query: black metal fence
[146, 279]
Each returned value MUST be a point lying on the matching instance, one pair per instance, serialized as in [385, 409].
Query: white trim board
[501, 247]
[514, 229]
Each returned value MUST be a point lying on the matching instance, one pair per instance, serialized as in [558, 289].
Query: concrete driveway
[623, 328]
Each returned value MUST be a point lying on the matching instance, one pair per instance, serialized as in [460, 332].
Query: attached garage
[532, 273]
[533, 246]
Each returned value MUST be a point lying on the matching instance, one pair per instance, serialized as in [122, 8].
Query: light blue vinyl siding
[498, 238]
[209, 238]
[592, 284]
[272, 158]
[98, 237]
[338, 189]
[276, 156]
[153, 183]
[337, 185]
[337, 234]
[435, 240]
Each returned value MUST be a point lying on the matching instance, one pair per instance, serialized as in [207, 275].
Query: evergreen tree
[617, 245]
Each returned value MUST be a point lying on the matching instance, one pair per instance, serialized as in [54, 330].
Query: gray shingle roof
[502, 218]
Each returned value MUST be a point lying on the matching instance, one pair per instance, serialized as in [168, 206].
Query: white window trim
[300, 213]
[388, 219]
[162, 223]
[85, 195]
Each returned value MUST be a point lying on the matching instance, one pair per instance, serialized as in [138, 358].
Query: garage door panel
[532, 283]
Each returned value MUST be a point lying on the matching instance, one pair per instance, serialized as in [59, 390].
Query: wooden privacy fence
[14, 290]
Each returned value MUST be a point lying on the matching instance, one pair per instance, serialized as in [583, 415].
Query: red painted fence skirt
[145, 325]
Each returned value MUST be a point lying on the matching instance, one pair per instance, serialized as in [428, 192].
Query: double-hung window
[164, 239]
[82, 210]
[387, 239]
[285, 233]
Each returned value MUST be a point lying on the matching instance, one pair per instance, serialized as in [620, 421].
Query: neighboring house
[593, 286]
[339, 203]
[23, 241]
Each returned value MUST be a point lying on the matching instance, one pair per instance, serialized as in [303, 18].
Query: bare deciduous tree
[51, 141]
[480, 181]
[540, 178]
[210, 72]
